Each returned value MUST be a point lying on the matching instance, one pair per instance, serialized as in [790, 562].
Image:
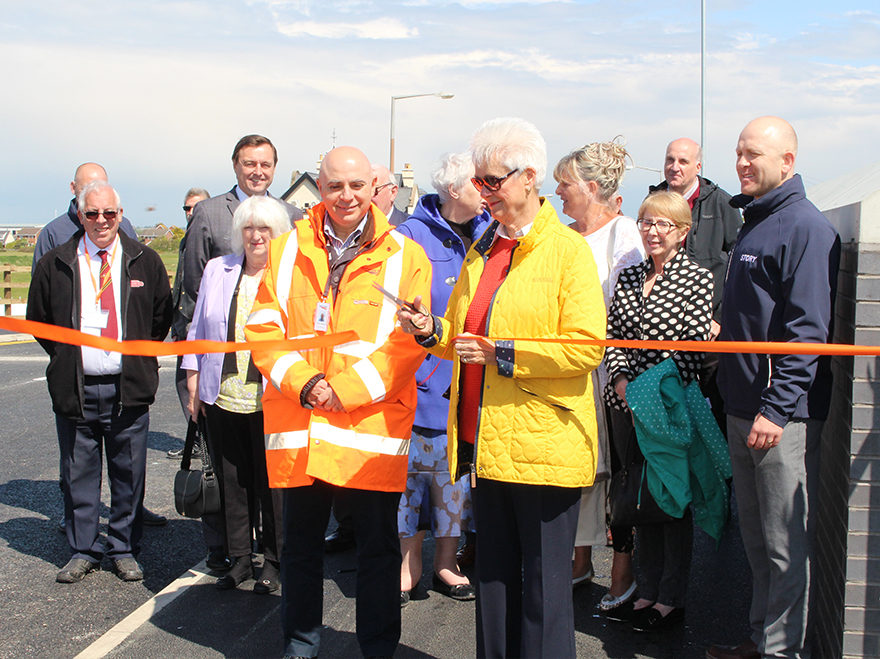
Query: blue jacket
[781, 284]
[62, 228]
[446, 252]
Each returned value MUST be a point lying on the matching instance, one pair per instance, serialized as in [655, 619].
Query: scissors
[398, 301]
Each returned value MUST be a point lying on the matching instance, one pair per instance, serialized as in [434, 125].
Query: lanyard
[96, 284]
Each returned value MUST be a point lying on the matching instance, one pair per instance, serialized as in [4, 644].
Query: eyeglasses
[491, 183]
[662, 226]
[378, 188]
[108, 215]
[187, 209]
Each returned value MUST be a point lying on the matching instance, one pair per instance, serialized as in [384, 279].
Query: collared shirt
[503, 232]
[242, 196]
[692, 193]
[336, 245]
[91, 318]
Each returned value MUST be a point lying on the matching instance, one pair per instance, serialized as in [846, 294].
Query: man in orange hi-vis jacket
[340, 417]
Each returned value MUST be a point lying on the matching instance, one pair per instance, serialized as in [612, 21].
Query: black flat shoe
[404, 598]
[623, 612]
[460, 591]
[241, 571]
[651, 620]
[269, 579]
[218, 560]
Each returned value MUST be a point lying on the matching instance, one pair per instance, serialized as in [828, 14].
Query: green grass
[25, 257]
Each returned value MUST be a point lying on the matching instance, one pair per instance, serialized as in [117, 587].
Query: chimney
[407, 176]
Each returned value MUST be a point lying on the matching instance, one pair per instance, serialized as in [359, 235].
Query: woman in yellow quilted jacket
[521, 416]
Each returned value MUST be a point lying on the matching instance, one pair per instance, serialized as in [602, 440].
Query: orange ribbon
[157, 348]
[745, 347]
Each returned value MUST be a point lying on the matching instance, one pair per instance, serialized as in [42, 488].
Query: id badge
[95, 318]
[322, 316]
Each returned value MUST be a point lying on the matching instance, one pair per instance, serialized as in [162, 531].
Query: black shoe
[128, 569]
[460, 591]
[218, 561]
[623, 612]
[651, 620]
[242, 569]
[75, 570]
[152, 519]
[269, 577]
[62, 526]
[405, 598]
[338, 541]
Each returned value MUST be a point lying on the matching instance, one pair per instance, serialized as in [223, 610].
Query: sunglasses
[491, 183]
[187, 209]
[93, 215]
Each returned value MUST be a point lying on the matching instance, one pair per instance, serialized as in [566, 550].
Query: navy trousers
[525, 539]
[121, 433]
[306, 513]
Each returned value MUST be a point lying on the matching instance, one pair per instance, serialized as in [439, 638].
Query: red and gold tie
[108, 302]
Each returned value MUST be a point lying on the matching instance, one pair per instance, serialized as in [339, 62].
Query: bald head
[85, 174]
[683, 163]
[346, 183]
[386, 188]
[765, 155]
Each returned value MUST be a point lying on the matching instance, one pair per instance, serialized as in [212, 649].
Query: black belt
[101, 379]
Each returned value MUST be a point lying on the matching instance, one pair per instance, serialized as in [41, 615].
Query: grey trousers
[775, 490]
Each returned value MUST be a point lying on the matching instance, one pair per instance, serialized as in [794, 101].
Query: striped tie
[108, 302]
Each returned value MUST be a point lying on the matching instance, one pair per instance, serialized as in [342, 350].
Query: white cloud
[379, 28]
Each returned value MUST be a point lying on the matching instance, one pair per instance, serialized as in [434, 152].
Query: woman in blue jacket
[444, 224]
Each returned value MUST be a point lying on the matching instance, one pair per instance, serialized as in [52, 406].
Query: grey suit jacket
[210, 235]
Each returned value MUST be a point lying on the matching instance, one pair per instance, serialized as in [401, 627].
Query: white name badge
[95, 318]
[322, 316]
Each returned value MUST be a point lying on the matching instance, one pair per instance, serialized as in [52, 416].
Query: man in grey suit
[385, 193]
[209, 235]
[253, 161]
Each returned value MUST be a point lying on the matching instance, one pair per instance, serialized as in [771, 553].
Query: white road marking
[125, 627]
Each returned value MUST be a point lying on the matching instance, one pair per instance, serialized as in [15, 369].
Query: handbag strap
[207, 467]
[191, 433]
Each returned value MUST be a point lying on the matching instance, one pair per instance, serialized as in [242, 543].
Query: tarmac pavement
[177, 612]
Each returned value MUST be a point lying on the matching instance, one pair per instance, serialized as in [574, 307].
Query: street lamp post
[443, 95]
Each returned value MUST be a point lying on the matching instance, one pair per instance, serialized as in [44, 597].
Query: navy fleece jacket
[781, 284]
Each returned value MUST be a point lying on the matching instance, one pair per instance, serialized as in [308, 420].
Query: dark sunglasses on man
[93, 215]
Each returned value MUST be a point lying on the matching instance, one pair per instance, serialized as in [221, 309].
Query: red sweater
[471, 375]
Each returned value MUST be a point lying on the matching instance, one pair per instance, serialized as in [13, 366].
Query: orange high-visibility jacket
[367, 445]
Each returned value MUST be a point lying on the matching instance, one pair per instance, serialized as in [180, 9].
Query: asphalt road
[43, 618]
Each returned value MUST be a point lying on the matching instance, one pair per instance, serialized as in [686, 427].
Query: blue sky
[160, 91]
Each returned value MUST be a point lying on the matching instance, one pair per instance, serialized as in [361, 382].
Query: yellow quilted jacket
[537, 426]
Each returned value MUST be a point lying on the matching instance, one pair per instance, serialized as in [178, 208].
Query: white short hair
[456, 170]
[258, 211]
[514, 143]
[95, 186]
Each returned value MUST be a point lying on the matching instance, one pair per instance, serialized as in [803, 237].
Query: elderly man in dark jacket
[104, 283]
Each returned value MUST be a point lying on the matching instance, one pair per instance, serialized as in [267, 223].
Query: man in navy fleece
[780, 286]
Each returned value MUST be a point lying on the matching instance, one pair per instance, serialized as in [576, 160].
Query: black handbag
[196, 491]
[631, 501]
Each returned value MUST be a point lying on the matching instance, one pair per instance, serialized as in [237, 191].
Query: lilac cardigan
[210, 320]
